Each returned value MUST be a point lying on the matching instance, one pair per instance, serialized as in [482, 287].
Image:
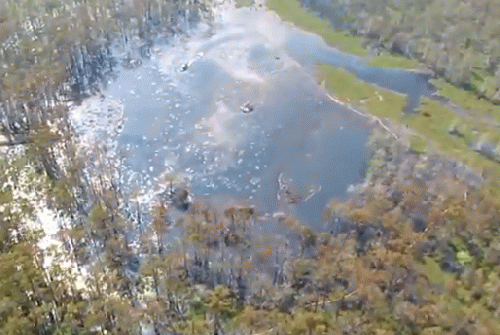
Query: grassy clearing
[435, 128]
[418, 145]
[433, 271]
[478, 110]
[468, 101]
[431, 123]
[387, 60]
[292, 10]
[378, 101]
[244, 3]
[434, 121]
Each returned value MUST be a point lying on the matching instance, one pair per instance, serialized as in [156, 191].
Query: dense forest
[58, 51]
[414, 250]
[457, 39]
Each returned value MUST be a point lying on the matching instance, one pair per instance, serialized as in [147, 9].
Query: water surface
[189, 123]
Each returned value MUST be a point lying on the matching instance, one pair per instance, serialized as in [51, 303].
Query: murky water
[189, 123]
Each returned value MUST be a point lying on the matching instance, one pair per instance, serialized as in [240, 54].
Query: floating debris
[179, 197]
[312, 192]
[131, 63]
[284, 190]
[247, 107]
[455, 130]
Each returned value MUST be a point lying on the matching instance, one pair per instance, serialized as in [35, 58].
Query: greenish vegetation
[432, 122]
[293, 11]
[380, 102]
[476, 107]
[435, 120]
[418, 145]
[244, 3]
[387, 60]
[432, 269]
[458, 39]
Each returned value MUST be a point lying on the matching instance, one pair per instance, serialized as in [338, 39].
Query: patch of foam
[97, 116]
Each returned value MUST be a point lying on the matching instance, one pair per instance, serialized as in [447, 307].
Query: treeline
[415, 251]
[52, 51]
[38, 38]
[459, 39]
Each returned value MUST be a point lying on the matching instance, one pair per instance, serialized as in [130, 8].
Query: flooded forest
[249, 167]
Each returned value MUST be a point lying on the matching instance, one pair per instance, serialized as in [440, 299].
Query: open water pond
[181, 114]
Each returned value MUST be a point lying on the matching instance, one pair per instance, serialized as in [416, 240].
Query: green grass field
[418, 145]
[431, 124]
[469, 101]
[387, 60]
[378, 101]
[244, 3]
[435, 128]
